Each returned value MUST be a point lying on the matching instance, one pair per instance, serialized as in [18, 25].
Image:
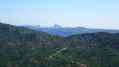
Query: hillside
[22, 47]
[94, 49]
[25, 47]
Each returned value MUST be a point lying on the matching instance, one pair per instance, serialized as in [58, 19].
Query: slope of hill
[62, 31]
[25, 47]
[22, 47]
[94, 49]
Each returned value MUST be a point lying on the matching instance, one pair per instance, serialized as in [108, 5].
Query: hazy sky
[67, 13]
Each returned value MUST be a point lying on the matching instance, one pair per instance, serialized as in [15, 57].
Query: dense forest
[22, 47]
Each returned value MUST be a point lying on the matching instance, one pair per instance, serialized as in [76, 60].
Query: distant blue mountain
[38, 26]
[31, 26]
[62, 31]
[57, 26]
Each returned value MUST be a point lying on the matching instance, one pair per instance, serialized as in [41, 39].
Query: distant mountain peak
[57, 26]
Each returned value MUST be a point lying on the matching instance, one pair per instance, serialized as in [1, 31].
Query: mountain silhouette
[65, 31]
[57, 26]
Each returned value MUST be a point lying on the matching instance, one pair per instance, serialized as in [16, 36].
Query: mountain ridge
[62, 31]
[57, 26]
[23, 47]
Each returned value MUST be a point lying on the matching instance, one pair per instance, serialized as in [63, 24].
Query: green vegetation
[22, 47]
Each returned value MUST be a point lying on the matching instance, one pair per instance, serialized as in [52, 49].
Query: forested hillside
[95, 50]
[25, 47]
[22, 47]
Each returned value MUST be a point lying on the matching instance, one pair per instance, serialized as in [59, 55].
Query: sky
[103, 14]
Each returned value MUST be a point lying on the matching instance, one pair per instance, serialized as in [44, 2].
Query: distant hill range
[67, 31]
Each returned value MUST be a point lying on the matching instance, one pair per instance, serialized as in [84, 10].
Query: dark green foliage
[96, 49]
[22, 47]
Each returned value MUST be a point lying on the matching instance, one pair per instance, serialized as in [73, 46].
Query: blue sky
[67, 13]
